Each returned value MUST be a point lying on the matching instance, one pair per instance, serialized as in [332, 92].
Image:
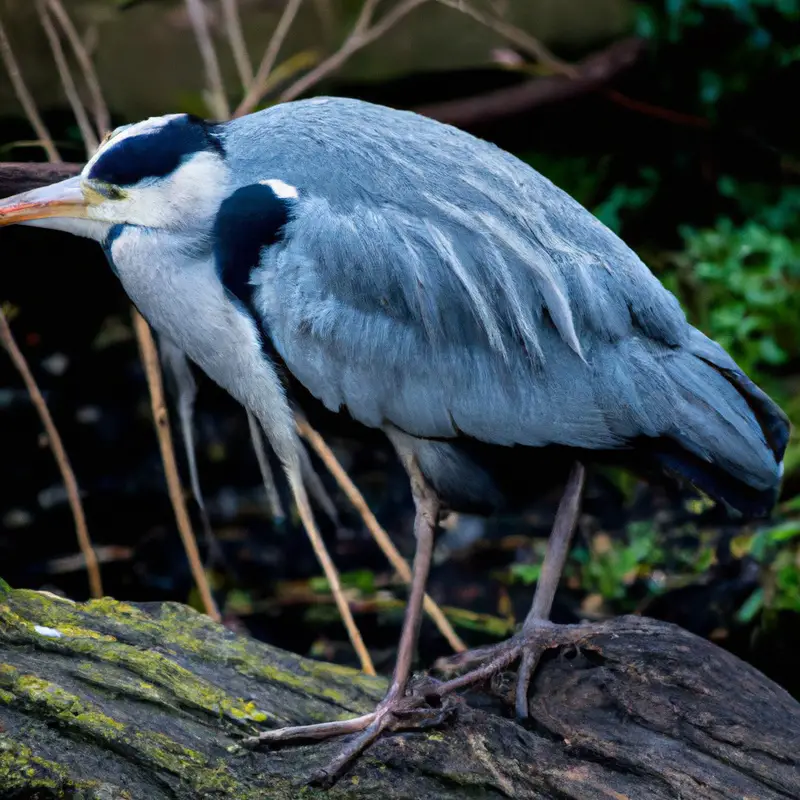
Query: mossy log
[112, 700]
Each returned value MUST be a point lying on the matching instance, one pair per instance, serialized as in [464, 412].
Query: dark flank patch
[253, 217]
[156, 154]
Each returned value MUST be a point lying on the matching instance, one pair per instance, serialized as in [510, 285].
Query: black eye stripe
[155, 154]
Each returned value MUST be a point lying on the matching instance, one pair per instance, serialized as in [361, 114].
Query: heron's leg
[537, 633]
[396, 710]
[552, 568]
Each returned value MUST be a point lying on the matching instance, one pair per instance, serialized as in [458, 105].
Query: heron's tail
[732, 437]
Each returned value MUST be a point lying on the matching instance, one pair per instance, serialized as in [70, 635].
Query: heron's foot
[484, 664]
[421, 707]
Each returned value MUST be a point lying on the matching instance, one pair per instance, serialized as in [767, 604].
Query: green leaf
[751, 607]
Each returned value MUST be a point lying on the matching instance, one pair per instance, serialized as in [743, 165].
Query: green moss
[67, 707]
[20, 769]
[192, 633]
[156, 749]
[122, 683]
[155, 668]
[111, 607]
[158, 670]
[74, 631]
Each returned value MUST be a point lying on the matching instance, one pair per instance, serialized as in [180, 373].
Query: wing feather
[431, 280]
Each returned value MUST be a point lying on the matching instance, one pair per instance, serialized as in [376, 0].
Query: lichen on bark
[120, 701]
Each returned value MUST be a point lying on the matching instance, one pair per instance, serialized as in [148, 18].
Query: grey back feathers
[422, 279]
[430, 280]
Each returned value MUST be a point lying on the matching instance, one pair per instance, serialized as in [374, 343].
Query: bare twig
[258, 86]
[363, 33]
[374, 527]
[25, 98]
[217, 99]
[70, 90]
[102, 119]
[527, 43]
[331, 574]
[316, 488]
[161, 419]
[233, 32]
[57, 446]
[326, 16]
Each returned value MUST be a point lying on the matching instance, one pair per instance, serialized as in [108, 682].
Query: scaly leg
[537, 632]
[397, 709]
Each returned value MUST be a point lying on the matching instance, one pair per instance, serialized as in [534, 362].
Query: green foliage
[743, 290]
[777, 549]
[608, 567]
[363, 580]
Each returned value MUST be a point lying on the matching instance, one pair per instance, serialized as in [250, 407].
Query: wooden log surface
[147, 702]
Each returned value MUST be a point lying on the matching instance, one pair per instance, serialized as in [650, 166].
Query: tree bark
[113, 700]
[22, 177]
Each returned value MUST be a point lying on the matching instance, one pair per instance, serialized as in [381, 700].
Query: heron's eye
[107, 190]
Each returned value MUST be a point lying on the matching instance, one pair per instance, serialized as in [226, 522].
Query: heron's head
[164, 173]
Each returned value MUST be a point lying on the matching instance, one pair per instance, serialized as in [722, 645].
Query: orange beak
[62, 199]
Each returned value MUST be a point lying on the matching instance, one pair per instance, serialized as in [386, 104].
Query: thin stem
[400, 565]
[70, 90]
[57, 446]
[362, 34]
[149, 356]
[102, 118]
[331, 574]
[217, 99]
[527, 43]
[233, 32]
[259, 85]
[25, 98]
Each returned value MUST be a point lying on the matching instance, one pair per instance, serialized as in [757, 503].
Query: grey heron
[431, 285]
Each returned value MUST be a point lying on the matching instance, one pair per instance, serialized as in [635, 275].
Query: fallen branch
[108, 699]
[589, 75]
[18, 177]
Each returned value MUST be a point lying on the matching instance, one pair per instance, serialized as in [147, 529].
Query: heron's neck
[175, 285]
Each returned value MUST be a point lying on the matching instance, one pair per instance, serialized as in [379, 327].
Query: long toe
[305, 733]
